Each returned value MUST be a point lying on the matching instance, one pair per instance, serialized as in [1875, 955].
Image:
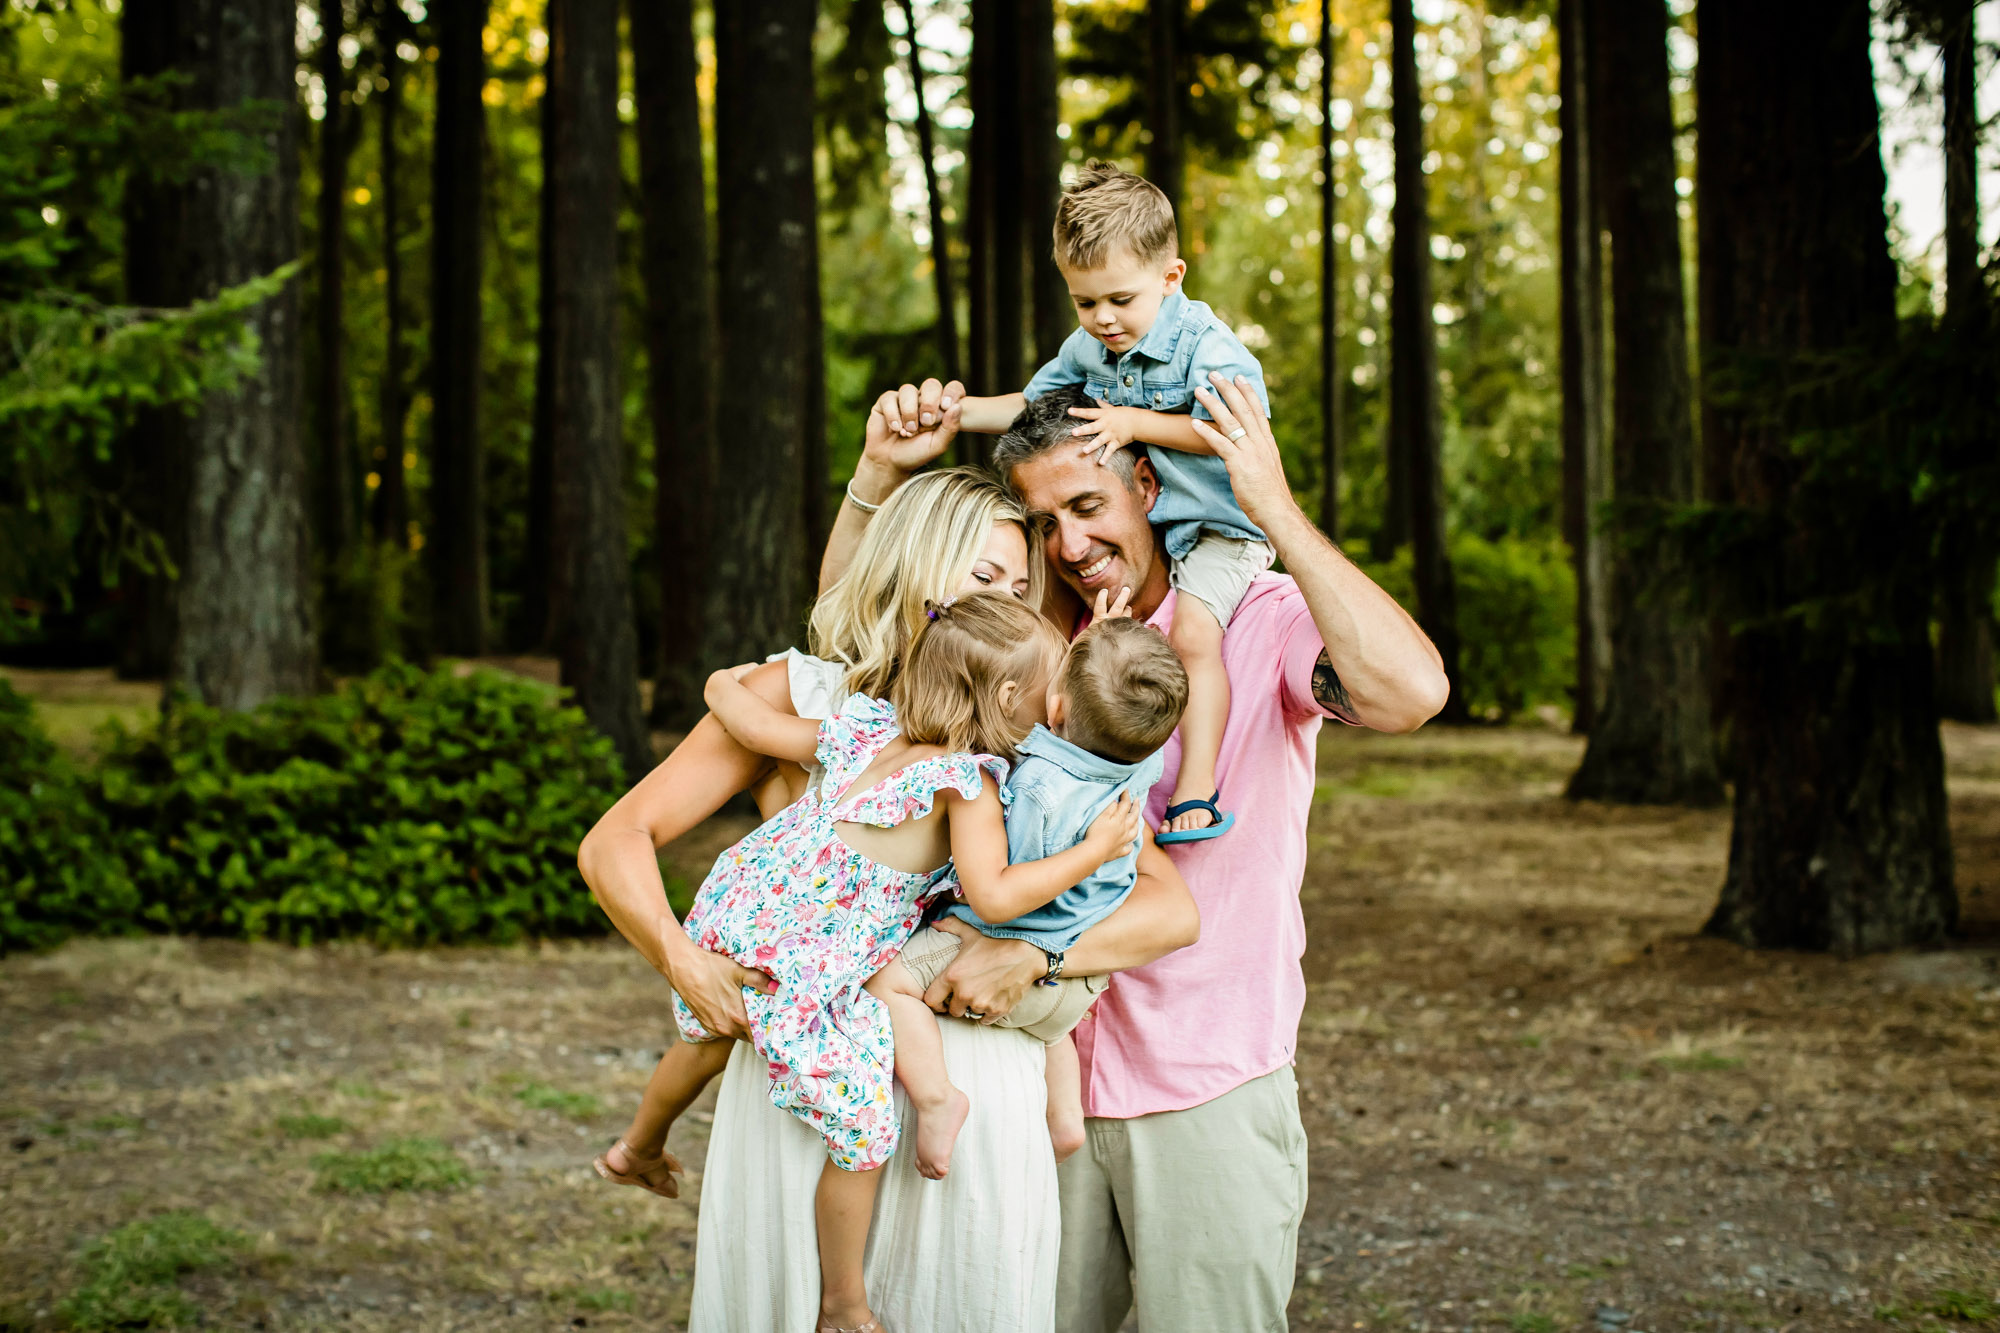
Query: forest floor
[1537, 1100]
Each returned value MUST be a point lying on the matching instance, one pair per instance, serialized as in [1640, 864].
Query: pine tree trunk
[1840, 840]
[680, 342]
[1166, 23]
[1051, 315]
[1329, 289]
[537, 613]
[1582, 363]
[245, 629]
[947, 304]
[1653, 743]
[1965, 620]
[767, 302]
[1010, 236]
[391, 506]
[333, 488]
[456, 542]
[596, 636]
[1414, 428]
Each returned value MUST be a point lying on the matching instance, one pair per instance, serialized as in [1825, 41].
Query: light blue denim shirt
[1055, 791]
[1161, 373]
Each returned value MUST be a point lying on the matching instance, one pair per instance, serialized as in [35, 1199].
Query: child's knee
[1195, 628]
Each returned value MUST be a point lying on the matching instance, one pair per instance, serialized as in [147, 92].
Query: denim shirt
[1161, 373]
[1054, 793]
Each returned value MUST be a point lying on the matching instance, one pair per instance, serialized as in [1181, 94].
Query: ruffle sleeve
[852, 736]
[912, 793]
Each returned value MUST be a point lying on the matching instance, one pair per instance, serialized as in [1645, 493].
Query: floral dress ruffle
[796, 902]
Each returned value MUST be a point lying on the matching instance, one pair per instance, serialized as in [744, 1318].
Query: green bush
[406, 808]
[1516, 620]
[59, 874]
[129, 1276]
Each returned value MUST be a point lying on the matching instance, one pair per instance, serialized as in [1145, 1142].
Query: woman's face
[1003, 562]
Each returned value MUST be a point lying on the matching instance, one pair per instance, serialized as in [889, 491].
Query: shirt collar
[1073, 759]
[1158, 344]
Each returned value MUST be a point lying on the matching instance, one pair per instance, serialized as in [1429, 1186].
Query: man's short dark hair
[1046, 423]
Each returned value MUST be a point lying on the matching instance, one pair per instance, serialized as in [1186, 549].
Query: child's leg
[1197, 637]
[941, 1108]
[677, 1080]
[842, 1209]
[1065, 1077]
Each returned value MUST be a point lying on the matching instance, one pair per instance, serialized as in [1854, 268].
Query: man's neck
[1147, 600]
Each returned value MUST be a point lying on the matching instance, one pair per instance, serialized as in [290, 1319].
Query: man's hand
[1105, 429]
[989, 976]
[713, 986]
[908, 428]
[1241, 437]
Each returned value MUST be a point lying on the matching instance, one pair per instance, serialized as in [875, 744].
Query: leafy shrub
[406, 808]
[58, 872]
[1516, 620]
[401, 1164]
[129, 1275]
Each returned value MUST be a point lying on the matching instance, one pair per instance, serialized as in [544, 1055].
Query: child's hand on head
[1114, 832]
[1105, 430]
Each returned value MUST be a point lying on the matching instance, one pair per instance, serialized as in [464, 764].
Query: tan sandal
[643, 1172]
[870, 1327]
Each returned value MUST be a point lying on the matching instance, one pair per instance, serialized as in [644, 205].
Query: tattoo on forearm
[1328, 692]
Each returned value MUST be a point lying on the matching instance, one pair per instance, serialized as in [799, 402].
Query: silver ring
[974, 1016]
[1238, 433]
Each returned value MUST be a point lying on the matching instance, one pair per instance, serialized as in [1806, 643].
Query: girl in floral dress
[824, 895]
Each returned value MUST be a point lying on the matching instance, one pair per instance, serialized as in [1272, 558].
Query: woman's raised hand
[910, 427]
[1114, 832]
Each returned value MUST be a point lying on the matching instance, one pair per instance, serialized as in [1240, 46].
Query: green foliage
[58, 875]
[1516, 607]
[578, 1105]
[129, 1275]
[311, 1126]
[400, 1164]
[406, 808]
[1530, 1322]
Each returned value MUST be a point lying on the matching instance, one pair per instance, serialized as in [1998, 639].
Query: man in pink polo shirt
[1187, 1196]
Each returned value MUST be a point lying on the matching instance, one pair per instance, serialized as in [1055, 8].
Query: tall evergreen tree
[1051, 315]
[1840, 838]
[680, 342]
[1166, 92]
[768, 304]
[333, 468]
[537, 612]
[456, 539]
[592, 593]
[941, 284]
[1653, 743]
[1415, 434]
[1329, 288]
[391, 502]
[1582, 302]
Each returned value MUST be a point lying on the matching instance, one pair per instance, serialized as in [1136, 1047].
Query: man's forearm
[1158, 918]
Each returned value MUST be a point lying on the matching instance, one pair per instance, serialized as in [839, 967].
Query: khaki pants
[1192, 1216]
[1046, 1013]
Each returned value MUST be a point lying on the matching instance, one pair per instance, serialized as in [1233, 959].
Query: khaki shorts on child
[1046, 1013]
[1218, 571]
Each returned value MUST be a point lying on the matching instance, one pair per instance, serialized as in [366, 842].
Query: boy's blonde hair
[1109, 209]
[919, 549]
[948, 692]
[1124, 688]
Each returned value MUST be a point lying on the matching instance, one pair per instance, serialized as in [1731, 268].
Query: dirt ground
[1537, 1100]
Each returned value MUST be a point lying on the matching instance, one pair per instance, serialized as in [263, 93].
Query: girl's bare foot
[622, 1166]
[937, 1133]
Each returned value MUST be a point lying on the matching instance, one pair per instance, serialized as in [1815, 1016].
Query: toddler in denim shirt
[1112, 704]
[1129, 373]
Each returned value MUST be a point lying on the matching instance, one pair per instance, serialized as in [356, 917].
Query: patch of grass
[400, 1164]
[1583, 1272]
[1530, 1322]
[1699, 1062]
[311, 1126]
[602, 1298]
[105, 1124]
[355, 1087]
[1966, 1307]
[128, 1276]
[1532, 1041]
[580, 1105]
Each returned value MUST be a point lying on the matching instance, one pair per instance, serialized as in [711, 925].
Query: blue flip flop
[1223, 823]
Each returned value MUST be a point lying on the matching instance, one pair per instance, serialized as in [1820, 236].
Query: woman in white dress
[975, 1253]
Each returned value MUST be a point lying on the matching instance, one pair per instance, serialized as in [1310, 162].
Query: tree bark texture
[1051, 314]
[1329, 289]
[680, 342]
[537, 611]
[1840, 839]
[1965, 619]
[596, 637]
[456, 541]
[334, 482]
[245, 623]
[1166, 85]
[767, 301]
[391, 499]
[1653, 743]
[1415, 433]
[1582, 299]
[941, 284]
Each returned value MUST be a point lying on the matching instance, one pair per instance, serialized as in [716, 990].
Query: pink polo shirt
[1209, 1018]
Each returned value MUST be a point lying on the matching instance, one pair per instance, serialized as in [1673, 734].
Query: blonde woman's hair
[948, 692]
[919, 549]
[1124, 690]
[1107, 209]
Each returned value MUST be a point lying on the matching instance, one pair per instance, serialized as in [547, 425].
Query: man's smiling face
[1093, 523]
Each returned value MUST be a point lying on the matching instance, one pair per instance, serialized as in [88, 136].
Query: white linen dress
[973, 1253]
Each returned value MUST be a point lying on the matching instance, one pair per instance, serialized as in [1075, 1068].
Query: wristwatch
[1054, 974]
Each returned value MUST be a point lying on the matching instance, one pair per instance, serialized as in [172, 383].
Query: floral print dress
[795, 901]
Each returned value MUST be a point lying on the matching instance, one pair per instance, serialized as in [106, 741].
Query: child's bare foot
[937, 1133]
[847, 1317]
[622, 1166]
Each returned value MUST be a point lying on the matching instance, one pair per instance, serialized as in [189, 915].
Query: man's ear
[1146, 481]
[1175, 272]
